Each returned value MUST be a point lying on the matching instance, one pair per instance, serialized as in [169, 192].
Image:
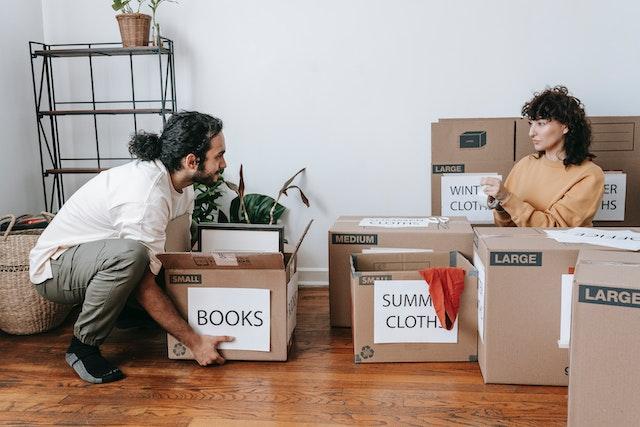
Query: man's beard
[203, 178]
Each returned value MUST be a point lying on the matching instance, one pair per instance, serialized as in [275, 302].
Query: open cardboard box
[251, 296]
[393, 315]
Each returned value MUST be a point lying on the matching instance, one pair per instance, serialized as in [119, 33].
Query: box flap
[596, 267]
[297, 247]
[222, 261]
[406, 261]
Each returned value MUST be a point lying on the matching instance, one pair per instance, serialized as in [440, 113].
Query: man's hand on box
[205, 350]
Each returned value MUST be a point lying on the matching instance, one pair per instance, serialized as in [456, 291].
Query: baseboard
[313, 277]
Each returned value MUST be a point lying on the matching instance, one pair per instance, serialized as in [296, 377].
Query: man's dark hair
[185, 133]
[557, 104]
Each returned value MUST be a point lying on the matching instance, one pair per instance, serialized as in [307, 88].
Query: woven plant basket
[22, 310]
[134, 29]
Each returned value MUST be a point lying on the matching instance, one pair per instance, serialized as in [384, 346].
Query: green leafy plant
[153, 5]
[259, 208]
[124, 7]
[244, 208]
[206, 202]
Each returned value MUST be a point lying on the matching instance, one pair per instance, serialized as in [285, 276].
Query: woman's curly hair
[557, 104]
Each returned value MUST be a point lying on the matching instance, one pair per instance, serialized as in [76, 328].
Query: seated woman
[559, 186]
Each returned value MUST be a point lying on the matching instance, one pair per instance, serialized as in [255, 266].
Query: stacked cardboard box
[394, 319]
[603, 385]
[494, 145]
[520, 275]
[347, 236]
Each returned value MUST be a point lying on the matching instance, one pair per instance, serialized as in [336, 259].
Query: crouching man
[100, 249]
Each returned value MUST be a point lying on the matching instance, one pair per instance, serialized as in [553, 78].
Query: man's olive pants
[99, 275]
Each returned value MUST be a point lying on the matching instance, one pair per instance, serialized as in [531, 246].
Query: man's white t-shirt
[133, 201]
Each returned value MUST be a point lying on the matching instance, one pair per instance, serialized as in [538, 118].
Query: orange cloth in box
[446, 285]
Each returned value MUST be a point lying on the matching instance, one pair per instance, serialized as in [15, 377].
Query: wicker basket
[134, 29]
[22, 310]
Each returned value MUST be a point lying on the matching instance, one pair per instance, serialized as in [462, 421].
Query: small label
[368, 280]
[225, 259]
[609, 296]
[185, 279]
[354, 239]
[517, 259]
[441, 169]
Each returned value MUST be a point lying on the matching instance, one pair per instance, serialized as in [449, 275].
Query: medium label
[609, 296]
[354, 239]
[185, 279]
[518, 259]
[440, 169]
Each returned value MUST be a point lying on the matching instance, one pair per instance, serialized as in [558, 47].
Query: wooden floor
[320, 384]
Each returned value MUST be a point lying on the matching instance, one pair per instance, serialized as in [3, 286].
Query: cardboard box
[520, 274]
[252, 296]
[604, 380]
[470, 146]
[393, 317]
[346, 237]
[616, 143]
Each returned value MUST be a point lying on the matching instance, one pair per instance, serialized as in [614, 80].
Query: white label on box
[462, 195]
[481, 280]
[618, 238]
[222, 259]
[241, 313]
[402, 222]
[403, 313]
[565, 311]
[613, 199]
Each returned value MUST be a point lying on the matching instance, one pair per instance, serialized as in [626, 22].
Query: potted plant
[244, 208]
[134, 26]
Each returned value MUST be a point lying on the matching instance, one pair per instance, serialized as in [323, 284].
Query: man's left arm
[162, 310]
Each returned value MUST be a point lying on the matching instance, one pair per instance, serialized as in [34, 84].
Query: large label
[238, 312]
[442, 169]
[613, 199]
[462, 195]
[517, 259]
[609, 296]
[403, 313]
[354, 239]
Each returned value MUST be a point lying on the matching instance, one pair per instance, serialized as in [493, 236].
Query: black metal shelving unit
[49, 111]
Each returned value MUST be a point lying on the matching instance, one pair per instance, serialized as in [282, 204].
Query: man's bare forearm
[163, 311]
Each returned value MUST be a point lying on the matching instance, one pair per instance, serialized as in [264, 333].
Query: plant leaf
[290, 180]
[258, 208]
[233, 187]
[304, 198]
[234, 211]
[241, 185]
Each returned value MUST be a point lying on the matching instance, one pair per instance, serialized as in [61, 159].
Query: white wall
[348, 88]
[20, 181]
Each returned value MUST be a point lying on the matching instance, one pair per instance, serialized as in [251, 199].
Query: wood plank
[319, 385]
